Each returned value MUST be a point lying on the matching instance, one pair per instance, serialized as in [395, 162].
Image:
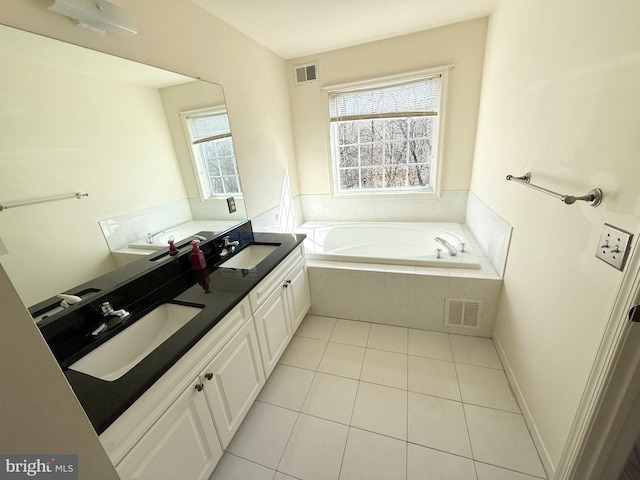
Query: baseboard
[531, 425]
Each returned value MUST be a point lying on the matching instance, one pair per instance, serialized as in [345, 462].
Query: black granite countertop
[172, 280]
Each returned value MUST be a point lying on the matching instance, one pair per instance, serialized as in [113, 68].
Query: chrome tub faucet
[450, 248]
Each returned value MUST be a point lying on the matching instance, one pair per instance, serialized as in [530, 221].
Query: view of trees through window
[391, 153]
[384, 138]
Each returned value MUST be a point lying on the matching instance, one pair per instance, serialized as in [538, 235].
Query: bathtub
[389, 243]
[179, 233]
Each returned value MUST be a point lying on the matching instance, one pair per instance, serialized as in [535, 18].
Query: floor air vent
[462, 312]
[305, 73]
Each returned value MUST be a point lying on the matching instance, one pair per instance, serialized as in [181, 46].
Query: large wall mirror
[76, 120]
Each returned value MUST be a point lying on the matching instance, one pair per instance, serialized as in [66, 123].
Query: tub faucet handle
[438, 253]
[462, 248]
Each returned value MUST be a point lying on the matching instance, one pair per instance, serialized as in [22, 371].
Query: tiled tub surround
[492, 233]
[402, 295]
[356, 400]
[122, 230]
[449, 207]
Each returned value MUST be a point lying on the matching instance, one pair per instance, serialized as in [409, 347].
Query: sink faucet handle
[68, 300]
[106, 307]
[227, 243]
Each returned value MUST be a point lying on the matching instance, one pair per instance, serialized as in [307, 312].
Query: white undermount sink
[249, 256]
[121, 353]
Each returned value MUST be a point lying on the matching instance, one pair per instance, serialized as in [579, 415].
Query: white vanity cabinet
[279, 303]
[170, 431]
[274, 328]
[179, 427]
[233, 380]
[181, 444]
[298, 294]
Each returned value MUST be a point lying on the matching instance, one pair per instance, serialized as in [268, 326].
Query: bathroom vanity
[172, 413]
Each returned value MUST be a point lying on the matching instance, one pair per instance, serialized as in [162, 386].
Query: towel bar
[593, 197]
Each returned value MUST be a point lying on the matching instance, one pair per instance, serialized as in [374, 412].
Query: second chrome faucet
[110, 318]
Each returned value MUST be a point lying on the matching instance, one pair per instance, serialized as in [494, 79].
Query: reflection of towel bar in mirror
[78, 195]
[593, 197]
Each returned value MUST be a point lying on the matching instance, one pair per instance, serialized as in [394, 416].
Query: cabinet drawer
[274, 280]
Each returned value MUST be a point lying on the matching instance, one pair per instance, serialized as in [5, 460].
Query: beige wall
[39, 413]
[461, 44]
[65, 132]
[560, 98]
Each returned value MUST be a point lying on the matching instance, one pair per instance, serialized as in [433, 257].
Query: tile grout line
[299, 412]
[464, 411]
[406, 444]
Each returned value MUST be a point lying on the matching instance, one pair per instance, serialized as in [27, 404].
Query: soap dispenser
[197, 257]
[173, 250]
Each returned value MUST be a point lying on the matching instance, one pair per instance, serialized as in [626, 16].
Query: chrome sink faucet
[108, 317]
[450, 248]
[226, 244]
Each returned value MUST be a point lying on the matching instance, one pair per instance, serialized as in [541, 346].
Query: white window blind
[209, 127]
[417, 98]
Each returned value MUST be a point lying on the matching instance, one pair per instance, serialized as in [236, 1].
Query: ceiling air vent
[462, 312]
[305, 73]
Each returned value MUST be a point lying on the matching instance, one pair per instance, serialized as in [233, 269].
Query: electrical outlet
[614, 246]
[231, 204]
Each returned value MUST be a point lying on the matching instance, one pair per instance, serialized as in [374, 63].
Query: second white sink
[249, 256]
[121, 353]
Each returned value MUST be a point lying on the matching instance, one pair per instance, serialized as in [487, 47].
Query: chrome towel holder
[78, 195]
[593, 198]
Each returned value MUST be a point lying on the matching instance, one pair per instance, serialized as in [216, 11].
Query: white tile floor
[352, 400]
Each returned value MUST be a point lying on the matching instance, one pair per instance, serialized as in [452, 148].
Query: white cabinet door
[299, 295]
[274, 329]
[181, 444]
[233, 380]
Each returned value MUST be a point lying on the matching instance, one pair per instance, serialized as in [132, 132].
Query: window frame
[383, 82]
[195, 162]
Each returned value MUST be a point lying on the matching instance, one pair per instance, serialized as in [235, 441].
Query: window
[384, 136]
[213, 154]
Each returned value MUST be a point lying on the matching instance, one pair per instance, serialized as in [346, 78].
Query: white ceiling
[295, 28]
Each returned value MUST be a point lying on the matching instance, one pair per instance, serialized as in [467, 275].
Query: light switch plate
[614, 246]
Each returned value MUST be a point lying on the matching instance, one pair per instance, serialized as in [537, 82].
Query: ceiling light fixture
[97, 16]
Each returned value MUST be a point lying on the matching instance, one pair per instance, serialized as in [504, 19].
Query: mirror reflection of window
[212, 150]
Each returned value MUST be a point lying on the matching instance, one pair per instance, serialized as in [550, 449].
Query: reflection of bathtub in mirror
[182, 235]
[179, 233]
